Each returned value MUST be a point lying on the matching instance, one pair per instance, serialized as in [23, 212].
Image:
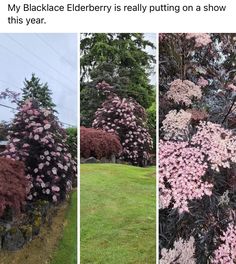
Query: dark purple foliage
[126, 118]
[37, 139]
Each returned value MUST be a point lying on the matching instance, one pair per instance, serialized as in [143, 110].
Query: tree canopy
[120, 60]
[34, 89]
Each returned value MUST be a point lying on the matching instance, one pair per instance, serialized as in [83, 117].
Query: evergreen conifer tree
[34, 89]
[121, 60]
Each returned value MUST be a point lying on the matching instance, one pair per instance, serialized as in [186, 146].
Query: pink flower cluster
[217, 143]
[183, 252]
[176, 125]
[182, 92]
[104, 87]
[202, 82]
[37, 139]
[231, 87]
[180, 175]
[126, 118]
[201, 39]
[226, 253]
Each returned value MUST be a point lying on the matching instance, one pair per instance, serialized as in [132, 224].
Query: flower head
[181, 170]
[182, 92]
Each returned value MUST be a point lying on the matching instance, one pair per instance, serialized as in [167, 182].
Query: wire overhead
[29, 63]
[55, 51]
[32, 65]
[39, 58]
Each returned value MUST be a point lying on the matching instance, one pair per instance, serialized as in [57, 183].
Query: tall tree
[119, 59]
[128, 119]
[34, 89]
[37, 139]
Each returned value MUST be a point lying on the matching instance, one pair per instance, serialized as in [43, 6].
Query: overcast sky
[52, 57]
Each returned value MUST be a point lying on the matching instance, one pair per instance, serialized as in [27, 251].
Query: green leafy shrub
[151, 122]
[72, 141]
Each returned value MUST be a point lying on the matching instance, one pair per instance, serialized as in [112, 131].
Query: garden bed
[43, 248]
[16, 232]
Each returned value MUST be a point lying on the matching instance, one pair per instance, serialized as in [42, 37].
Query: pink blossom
[217, 143]
[30, 112]
[28, 176]
[12, 149]
[55, 188]
[183, 251]
[180, 175]
[46, 113]
[30, 197]
[60, 166]
[182, 92]
[176, 125]
[40, 129]
[231, 87]
[36, 137]
[226, 253]
[41, 165]
[201, 39]
[43, 185]
[202, 82]
[36, 112]
[54, 170]
[47, 126]
[59, 149]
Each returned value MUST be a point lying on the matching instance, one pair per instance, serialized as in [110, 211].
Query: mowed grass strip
[66, 252]
[118, 214]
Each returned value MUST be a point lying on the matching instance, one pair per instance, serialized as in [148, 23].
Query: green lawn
[67, 248]
[118, 214]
